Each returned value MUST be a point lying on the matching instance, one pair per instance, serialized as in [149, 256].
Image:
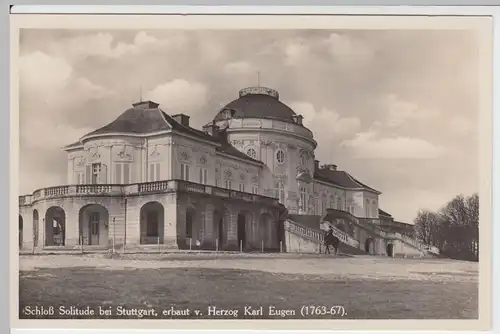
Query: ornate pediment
[155, 152]
[80, 162]
[304, 176]
[94, 153]
[228, 174]
[184, 156]
[123, 154]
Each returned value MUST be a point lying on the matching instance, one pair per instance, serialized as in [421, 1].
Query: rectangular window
[96, 170]
[152, 224]
[228, 184]
[79, 178]
[203, 175]
[255, 190]
[242, 187]
[217, 182]
[185, 172]
[122, 173]
[158, 176]
[126, 173]
[154, 172]
[94, 228]
[151, 172]
[118, 173]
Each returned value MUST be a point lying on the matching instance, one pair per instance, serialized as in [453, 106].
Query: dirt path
[341, 267]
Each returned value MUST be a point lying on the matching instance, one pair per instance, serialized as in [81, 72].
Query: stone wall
[122, 225]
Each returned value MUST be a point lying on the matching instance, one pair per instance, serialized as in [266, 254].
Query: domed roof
[257, 102]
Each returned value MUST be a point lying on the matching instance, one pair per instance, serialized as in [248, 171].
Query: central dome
[257, 102]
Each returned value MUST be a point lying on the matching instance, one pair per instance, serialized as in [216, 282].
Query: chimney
[181, 119]
[316, 165]
[211, 129]
[330, 167]
[145, 105]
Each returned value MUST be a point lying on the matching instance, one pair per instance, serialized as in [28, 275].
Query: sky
[397, 109]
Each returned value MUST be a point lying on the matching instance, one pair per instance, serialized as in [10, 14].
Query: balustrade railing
[141, 188]
[93, 189]
[56, 191]
[152, 186]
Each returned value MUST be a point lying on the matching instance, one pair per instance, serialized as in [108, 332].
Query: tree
[426, 225]
[454, 229]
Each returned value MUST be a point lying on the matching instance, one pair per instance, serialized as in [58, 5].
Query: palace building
[247, 181]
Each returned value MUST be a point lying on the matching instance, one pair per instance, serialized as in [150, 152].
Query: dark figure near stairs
[332, 240]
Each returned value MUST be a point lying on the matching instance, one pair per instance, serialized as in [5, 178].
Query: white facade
[286, 149]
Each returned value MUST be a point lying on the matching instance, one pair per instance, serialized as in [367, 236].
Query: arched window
[252, 153]
[280, 156]
[303, 159]
[302, 198]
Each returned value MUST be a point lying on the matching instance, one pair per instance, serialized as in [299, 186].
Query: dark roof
[339, 178]
[142, 118]
[310, 221]
[73, 145]
[146, 117]
[257, 106]
[187, 129]
[406, 225]
[383, 213]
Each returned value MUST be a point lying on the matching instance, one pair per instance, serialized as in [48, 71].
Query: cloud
[178, 95]
[400, 111]
[316, 120]
[38, 70]
[348, 49]
[60, 134]
[371, 145]
[75, 80]
[105, 45]
[239, 67]
[296, 52]
[50, 90]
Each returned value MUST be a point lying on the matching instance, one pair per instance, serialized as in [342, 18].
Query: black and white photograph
[259, 173]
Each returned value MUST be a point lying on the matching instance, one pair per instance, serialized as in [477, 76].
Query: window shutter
[158, 172]
[88, 174]
[118, 173]
[103, 175]
[126, 173]
[151, 172]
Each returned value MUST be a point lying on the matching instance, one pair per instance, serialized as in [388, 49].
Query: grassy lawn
[196, 288]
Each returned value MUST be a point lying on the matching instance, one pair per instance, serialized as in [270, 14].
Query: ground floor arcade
[172, 220]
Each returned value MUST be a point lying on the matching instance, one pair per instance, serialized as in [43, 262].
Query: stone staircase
[348, 245]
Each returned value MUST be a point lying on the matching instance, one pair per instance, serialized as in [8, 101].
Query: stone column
[231, 227]
[71, 222]
[208, 240]
[173, 215]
